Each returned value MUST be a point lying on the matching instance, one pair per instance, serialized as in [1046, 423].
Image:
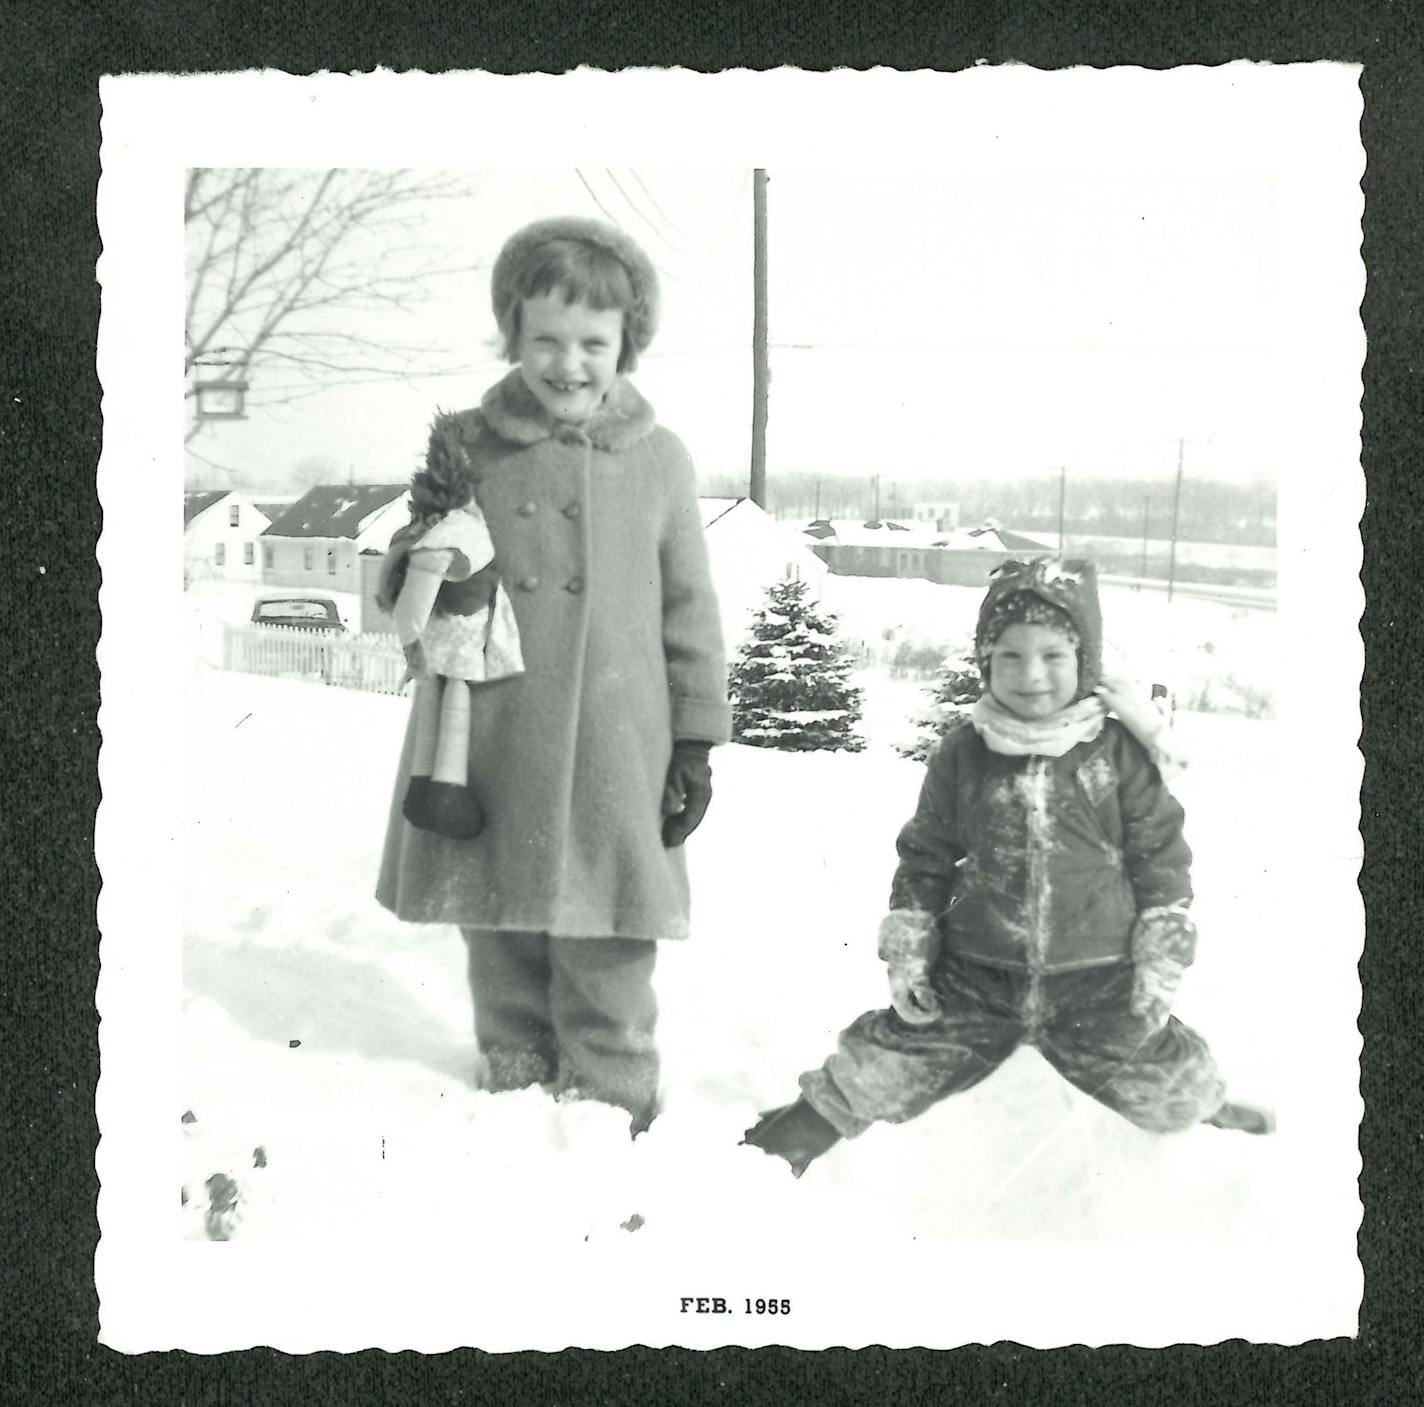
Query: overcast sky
[1002, 325]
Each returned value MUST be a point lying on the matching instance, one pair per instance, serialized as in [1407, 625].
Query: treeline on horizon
[1211, 510]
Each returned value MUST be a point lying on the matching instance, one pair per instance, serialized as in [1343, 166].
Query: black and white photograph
[749, 732]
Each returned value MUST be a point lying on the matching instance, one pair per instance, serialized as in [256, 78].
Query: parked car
[315, 613]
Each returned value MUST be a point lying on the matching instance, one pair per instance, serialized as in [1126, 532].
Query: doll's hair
[447, 481]
[586, 261]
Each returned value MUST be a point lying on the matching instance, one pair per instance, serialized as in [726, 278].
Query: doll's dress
[478, 647]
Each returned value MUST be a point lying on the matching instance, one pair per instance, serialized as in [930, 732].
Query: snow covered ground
[338, 1040]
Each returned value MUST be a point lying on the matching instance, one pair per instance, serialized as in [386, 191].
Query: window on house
[219, 553]
[232, 515]
[247, 554]
[267, 556]
[331, 563]
[306, 559]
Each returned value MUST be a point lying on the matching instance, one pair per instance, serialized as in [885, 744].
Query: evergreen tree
[953, 692]
[790, 683]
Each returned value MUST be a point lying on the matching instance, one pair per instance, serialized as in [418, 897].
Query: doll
[456, 626]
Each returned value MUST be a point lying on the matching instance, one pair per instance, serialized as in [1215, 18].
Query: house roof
[274, 509]
[195, 503]
[888, 533]
[992, 539]
[714, 508]
[1018, 542]
[332, 510]
[878, 532]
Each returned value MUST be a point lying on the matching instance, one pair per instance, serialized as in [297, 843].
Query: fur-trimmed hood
[513, 412]
[1071, 586]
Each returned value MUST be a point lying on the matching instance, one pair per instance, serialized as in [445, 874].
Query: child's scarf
[1007, 733]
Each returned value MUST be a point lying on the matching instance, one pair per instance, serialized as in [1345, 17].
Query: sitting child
[1041, 897]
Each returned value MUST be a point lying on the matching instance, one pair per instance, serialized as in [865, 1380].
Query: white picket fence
[370, 662]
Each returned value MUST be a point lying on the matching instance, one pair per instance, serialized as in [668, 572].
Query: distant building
[944, 517]
[318, 541]
[888, 548]
[221, 530]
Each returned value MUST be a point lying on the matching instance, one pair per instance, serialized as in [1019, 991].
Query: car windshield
[293, 610]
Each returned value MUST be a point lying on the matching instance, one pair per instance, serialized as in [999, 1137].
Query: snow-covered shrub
[790, 682]
[915, 658]
[953, 693]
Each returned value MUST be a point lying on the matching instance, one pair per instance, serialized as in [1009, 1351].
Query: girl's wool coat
[598, 534]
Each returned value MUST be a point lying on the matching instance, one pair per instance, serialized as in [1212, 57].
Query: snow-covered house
[749, 551]
[221, 530]
[891, 548]
[316, 544]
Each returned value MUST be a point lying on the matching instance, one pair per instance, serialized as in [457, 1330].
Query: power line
[652, 200]
[638, 210]
[593, 196]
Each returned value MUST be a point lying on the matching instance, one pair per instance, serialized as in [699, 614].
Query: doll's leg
[452, 809]
[426, 709]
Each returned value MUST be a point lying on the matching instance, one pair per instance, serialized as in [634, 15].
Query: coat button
[529, 583]
[573, 510]
[574, 585]
[527, 510]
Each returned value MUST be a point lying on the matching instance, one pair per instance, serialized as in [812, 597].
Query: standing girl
[592, 765]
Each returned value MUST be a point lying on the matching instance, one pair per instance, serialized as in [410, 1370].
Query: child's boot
[795, 1132]
[1249, 1118]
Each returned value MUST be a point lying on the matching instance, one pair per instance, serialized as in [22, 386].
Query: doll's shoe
[795, 1132]
[1249, 1118]
[416, 807]
[451, 810]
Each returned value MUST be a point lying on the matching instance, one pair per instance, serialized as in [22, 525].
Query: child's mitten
[1164, 942]
[908, 943]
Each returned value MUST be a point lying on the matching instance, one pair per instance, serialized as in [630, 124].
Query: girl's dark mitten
[687, 791]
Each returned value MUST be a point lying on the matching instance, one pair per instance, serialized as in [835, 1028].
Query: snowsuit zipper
[1035, 784]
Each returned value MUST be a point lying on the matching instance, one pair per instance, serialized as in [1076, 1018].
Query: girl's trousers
[577, 1014]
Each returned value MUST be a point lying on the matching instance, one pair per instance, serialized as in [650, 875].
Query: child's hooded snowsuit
[1035, 868]
[1038, 862]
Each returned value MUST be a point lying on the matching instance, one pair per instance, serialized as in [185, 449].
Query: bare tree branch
[283, 266]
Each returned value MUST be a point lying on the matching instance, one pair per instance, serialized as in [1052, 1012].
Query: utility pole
[761, 370]
[1062, 499]
[1176, 518]
[875, 480]
[818, 498]
[1146, 517]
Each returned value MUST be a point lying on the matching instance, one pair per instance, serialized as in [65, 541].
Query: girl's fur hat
[640, 321]
[1046, 591]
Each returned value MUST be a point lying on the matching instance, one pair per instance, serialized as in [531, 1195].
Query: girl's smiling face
[568, 353]
[1033, 670]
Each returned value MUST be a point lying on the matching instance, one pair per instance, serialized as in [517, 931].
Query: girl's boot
[795, 1132]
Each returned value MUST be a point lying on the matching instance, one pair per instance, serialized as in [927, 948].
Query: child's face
[1033, 670]
[568, 353]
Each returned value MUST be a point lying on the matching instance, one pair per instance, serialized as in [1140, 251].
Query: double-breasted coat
[598, 534]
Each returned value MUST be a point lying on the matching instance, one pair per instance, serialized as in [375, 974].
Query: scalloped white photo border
[1301, 122]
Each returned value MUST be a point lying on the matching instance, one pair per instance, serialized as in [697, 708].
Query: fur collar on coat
[511, 410]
